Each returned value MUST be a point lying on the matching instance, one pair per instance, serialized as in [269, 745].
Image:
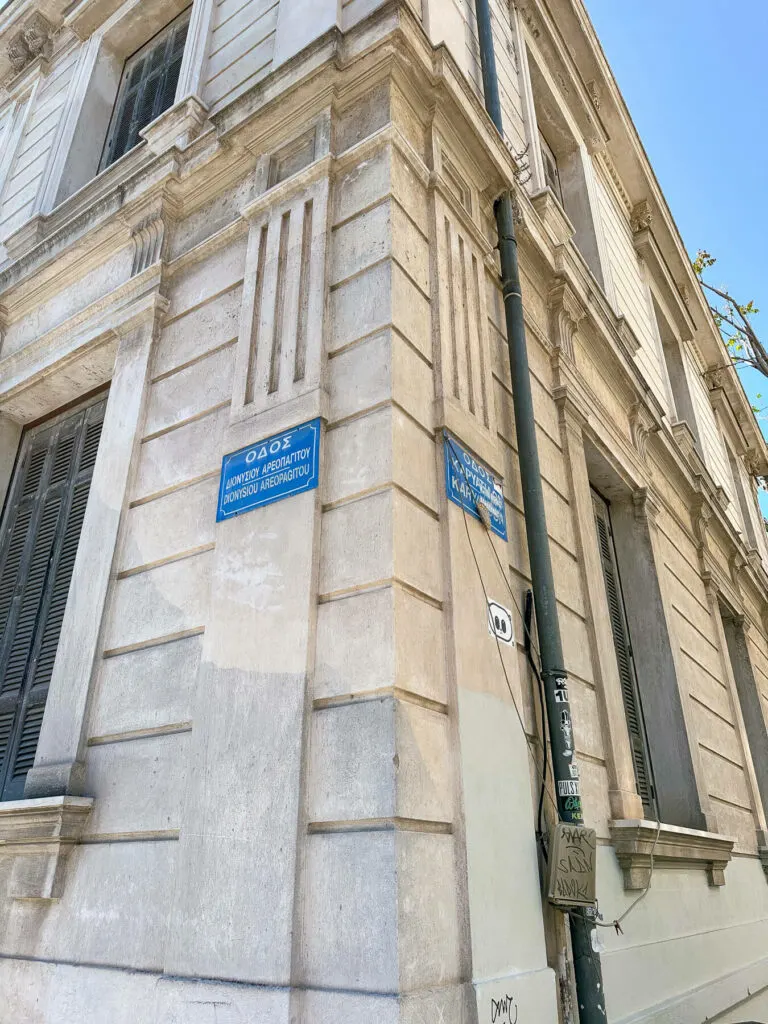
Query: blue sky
[694, 74]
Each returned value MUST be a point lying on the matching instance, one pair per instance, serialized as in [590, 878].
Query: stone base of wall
[55, 993]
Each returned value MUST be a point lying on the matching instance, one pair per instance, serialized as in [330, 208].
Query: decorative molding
[177, 127]
[566, 313]
[627, 334]
[556, 222]
[716, 377]
[675, 847]
[641, 425]
[701, 514]
[33, 41]
[722, 497]
[737, 563]
[646, 505]
[40, 834]
[150, 223]
[686, 442]
[594, 94]
[642, 216]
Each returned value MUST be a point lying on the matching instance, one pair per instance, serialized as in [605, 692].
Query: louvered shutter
[148, 88]
[39, 536]
[623, 649]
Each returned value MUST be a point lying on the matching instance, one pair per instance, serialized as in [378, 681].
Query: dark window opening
[39, 536]
[551, 170]
[147, 88]
[624, 656]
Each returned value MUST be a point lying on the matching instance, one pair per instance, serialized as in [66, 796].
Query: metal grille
[39, 535]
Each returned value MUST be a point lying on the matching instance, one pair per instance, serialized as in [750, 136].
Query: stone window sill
[676, 847]
[39, 835]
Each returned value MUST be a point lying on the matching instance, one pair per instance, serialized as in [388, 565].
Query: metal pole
[587, 969]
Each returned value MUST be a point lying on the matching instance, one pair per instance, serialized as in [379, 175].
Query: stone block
[191, 335]
[363, 185]
[357, 543]
[358, 455]
[169, 599]
[352, 772]
[415, 462]
[181, 455]
[196, 389]
[360, 377]
[410, 191]
[412, 383]
[417, 554]
[216, 273]
[361, 242]
[138, 785]
[169, 525]
[350, 909]
[410, 249]
[428, 911]
[232, 916]
[361, 305]
[355, 649]
[145, 689]
[362, 118]
[420, 651]
[503, 878]
[411, 312]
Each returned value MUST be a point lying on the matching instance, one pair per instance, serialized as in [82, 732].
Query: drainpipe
[587, 969]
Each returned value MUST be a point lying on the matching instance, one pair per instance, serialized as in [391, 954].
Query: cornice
[637, 843]
[556, 20]
[39, 835]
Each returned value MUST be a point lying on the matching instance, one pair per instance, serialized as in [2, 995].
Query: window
[551, 173]
[750, 698]
[630, 596]
[147, 88]
[39, 535]
[560, 161]
[624, 657]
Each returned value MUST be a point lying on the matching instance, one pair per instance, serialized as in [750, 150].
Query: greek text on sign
[270, 470]
[467, 483]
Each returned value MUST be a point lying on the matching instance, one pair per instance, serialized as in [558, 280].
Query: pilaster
[59, 764]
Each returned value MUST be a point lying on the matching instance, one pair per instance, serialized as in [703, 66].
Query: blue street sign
[467, 482]
[270, 470]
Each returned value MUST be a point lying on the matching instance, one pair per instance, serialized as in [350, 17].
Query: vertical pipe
[587, 969]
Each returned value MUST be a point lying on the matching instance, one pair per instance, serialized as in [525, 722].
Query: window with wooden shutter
[624, 659]
[148, 87]
[39, 534]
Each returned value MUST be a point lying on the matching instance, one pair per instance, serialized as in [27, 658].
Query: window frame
[627, 670]
[165, 37]
[78, 423]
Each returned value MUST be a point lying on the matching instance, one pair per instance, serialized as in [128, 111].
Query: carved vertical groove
[452, 309]
[467, 334]
[304, 279]
[480, 336]
[277, 337]
[250, 385]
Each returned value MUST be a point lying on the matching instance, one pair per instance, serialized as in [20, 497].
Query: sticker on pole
[468, 483]
[500, 623]
[270, 470]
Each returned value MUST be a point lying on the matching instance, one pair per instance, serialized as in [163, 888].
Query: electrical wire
[540, 772]
[528, 648]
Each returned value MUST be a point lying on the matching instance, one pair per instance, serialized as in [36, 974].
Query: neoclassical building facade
[274, 766]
